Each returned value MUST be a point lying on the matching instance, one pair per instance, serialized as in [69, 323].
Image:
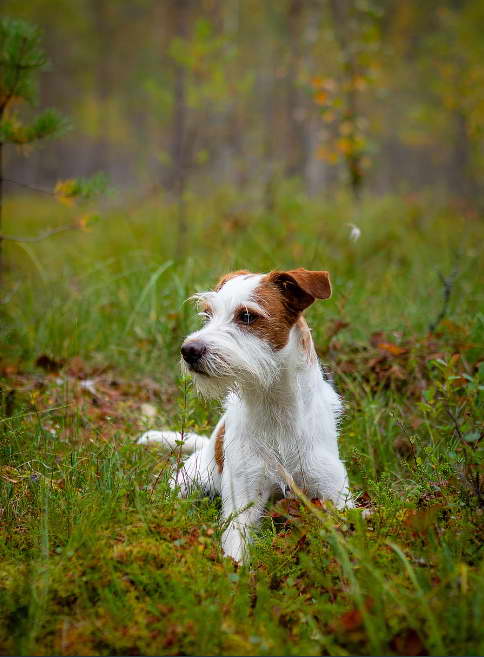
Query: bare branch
[448, 283]
[40, 236]
[34, 189]
[455, 422]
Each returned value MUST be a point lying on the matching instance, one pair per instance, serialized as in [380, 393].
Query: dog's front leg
[243, 501]
[331, 479]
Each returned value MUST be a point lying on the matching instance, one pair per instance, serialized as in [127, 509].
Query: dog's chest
[272, 442]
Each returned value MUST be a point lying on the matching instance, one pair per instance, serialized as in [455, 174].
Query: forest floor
[98, 556]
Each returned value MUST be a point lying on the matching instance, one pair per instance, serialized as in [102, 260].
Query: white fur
[280, 417]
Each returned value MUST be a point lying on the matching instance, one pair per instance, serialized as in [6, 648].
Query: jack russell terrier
[280, 420]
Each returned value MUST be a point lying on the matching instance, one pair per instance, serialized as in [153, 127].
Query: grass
[97, 556]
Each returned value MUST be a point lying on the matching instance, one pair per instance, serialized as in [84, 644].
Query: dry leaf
[408, 643]
[49, 364]
[391, 348]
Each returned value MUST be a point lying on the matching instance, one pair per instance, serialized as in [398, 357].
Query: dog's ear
[227, 277]
[301, 287]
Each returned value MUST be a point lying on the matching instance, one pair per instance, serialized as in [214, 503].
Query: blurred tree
[451, 59]
[190, 93]
[357, 35]
[21, 58]
[103, 20]
[181, 141]
[195, 94]
[296, 151]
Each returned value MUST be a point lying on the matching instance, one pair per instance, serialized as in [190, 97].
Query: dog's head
[246, 338]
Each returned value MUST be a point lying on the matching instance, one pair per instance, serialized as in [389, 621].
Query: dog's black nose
[192, 351]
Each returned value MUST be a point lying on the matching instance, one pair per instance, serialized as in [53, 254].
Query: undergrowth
[97, 556]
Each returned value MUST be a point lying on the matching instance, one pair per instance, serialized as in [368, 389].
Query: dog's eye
[246, 317]
[206, 317]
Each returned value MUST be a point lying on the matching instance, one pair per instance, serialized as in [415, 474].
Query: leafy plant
[21, 59]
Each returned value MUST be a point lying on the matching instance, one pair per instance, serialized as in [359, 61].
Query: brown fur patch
[300, 287]
[284, 295]
[306, 340]
[315, 283]
[230, 275]
[219, 448]
[274, 328]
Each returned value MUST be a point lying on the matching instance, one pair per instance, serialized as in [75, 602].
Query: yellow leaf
[321, 97]
[344, 145]
[64, 191]
[329, 116]
[359, 83]
[346, 127]
[86, 220]
[327, 154]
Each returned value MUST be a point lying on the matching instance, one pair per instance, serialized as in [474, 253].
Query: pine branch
[13, 89]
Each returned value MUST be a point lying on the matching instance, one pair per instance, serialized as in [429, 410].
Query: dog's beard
[212, 387]
[228, 367]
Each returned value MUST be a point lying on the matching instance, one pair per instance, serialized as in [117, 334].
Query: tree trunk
[345, 36]
[296, 147]
[353, 157]
[461, 178]
[268, 80]
[179, 142]
[103, 28]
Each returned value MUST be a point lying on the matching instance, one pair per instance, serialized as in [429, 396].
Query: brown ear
[315, 283]
[301, 287]
[227, 277]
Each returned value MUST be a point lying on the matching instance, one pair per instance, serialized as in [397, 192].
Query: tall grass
[97, 556]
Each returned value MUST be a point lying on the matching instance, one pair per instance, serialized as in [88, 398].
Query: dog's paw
[150, 437]
[234, 545]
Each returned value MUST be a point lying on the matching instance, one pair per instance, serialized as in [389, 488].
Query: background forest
[147, 147]
[388, 96]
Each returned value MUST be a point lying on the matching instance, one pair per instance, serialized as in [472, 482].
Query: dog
[279, 429]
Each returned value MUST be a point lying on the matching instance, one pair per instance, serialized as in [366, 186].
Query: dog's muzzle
[193, 352]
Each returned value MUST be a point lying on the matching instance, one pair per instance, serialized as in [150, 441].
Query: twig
[34, 189]
[455, 422]
[40, 236]
[448, 283]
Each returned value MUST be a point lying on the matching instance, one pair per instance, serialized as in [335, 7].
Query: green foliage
[357, 43]
[21, 59]
[81, 190]
[49, 123]
[390, 91]
[97, 556]
[208, 62]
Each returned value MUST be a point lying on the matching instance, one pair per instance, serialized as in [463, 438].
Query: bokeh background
[181, 95]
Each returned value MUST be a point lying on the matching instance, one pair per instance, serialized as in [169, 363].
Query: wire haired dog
[279, 425]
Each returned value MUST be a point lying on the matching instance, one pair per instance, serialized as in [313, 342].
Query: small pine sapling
[21, 59]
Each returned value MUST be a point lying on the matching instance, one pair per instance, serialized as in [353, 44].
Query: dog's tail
[174, 441]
